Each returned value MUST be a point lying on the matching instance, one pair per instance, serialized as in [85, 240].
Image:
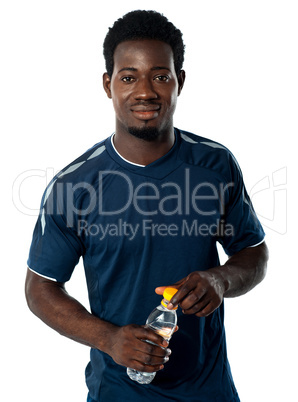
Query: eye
[127, 79]
[162, 78]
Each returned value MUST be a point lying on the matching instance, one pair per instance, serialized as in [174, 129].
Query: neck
[140, 151]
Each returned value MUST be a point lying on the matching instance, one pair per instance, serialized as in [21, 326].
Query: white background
[241, 90]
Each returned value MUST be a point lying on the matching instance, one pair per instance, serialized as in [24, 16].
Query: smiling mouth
[145, 112]
[149, 112]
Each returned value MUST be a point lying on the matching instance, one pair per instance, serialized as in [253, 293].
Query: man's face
[144, 87]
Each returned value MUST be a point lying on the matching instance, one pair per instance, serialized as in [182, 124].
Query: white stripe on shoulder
[43, 221]
[213, 144]
[97, 152]
[48, 191]
[71, 169]
[219, 146]
[188, 139]
[43, 276]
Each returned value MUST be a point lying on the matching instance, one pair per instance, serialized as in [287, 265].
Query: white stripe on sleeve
[43, 276]
[255, 245]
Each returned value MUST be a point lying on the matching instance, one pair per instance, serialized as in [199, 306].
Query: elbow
[263, 261]
[29, 293]
[33, 292]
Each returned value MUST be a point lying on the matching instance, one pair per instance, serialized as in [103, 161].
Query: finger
[151, 358]
[186, 288]
[151, 355]
[147, 334]
[196, 297]
[148, 348]
[159, 290]
[209, 309]
[143, 367]
[197, 308]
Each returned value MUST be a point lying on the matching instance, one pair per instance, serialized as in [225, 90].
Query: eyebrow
[135, 69]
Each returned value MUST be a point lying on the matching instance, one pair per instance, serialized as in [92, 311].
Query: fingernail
[168, 351]
[170, 306]
[165, 343]
[166, 359]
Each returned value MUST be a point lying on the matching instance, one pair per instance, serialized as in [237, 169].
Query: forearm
[52, 304]
[202, 292]
[243, 271]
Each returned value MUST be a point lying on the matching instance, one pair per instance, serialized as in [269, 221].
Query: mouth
[146, 112]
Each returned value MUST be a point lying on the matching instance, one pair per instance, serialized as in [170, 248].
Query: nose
[144, 90]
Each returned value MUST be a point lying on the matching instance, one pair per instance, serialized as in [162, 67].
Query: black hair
[141, 24]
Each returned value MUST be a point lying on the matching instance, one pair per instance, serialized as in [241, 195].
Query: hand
[130, 349]
[200, 293]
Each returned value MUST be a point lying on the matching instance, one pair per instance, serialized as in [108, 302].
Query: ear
[181, 80]
[106, 81]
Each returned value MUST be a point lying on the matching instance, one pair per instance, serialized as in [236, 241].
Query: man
[145, 209]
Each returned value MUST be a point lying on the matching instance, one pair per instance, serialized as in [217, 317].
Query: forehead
[143, 53]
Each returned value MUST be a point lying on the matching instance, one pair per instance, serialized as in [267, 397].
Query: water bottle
[163, 322]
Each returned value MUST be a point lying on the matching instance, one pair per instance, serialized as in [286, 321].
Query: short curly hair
[142, 24]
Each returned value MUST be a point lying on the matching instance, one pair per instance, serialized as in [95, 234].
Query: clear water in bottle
[163, 322]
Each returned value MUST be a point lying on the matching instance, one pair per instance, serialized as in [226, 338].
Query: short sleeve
[55, 249]
[241, 226]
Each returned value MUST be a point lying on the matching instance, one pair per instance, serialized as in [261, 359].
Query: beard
[144, 133]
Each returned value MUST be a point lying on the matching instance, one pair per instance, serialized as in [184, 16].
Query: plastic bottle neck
[165, 303]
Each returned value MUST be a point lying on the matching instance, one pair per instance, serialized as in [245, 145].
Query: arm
[202, 292]
[49, 301]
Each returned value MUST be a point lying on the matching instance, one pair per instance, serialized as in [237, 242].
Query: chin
[145, 133]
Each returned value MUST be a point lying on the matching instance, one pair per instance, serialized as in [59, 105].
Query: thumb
[159, 290]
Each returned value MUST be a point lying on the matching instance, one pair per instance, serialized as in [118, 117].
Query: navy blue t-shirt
[137, 228]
